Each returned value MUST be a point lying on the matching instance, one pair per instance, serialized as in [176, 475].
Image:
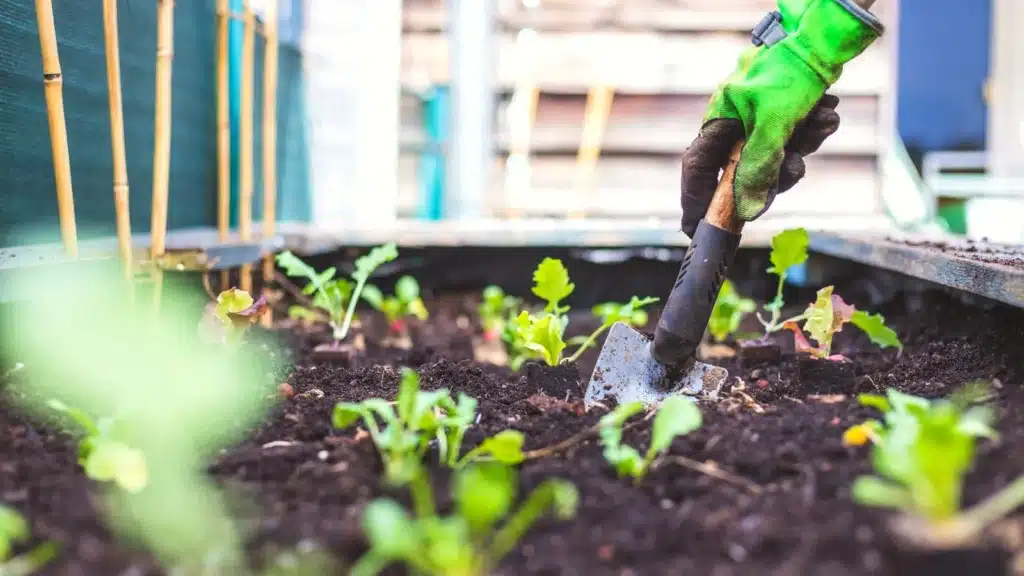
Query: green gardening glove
[771, 96]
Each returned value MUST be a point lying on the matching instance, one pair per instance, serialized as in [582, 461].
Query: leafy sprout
[677, 416]
[609, 313]
[474, 538]
[728, 313]
[337, 296]
[789, 248]
[494, 311]
[229, 318]
[921, 452]
[104, 452]
[825, 318]
[402, 431]
[15, 530]
[406, 302]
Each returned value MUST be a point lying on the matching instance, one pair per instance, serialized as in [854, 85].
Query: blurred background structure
[509, 122]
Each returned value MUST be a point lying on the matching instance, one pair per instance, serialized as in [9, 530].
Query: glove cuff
[864, 15]
[830, 35]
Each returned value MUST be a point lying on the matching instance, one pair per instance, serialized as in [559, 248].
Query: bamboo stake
[223, 134]
[246, 141]
[121, 210]
[270, 65]
[53, 89]
[162, 139]
[595, 120]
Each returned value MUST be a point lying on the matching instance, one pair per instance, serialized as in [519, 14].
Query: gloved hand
[776, 101]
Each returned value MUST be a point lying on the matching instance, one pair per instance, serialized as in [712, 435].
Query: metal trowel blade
[626, 371]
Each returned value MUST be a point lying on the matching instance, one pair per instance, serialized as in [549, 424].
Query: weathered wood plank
[649, 186]
[1001, 279]
[633, 62]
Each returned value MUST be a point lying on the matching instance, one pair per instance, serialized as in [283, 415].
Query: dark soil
[780, 505]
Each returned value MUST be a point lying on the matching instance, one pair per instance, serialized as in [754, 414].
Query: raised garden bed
[762, 487]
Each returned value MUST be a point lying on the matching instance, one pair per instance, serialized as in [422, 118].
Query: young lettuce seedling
[405, 302]
[470, 542]
[631, 313]
[494, 311]
[337, 296]
[789, 248]
[826, 317]
[677, 416]
[414, 420]
[728, 313]
[104, 453]
[921, 452]
[14, 530]
[227, 320]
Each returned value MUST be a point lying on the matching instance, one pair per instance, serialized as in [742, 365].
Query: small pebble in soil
[762, 383]
[285, 390]
[322, 455]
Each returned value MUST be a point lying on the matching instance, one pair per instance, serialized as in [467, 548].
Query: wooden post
[595, 120]
[245, 140]
[53, 83]
[223, 134]
[162, 139]
[121, 206]
[270, 65]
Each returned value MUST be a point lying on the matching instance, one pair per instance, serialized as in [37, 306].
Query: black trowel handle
[688, 308]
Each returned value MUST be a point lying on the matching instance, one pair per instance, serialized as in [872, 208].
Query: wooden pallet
[632, 62]
[645, 186]
[562, 15]
[654, 124]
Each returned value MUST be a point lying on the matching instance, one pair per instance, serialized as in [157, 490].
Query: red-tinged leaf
[492, 335]
[837, 358]
[802, 345]
[397, 327]
[243, 318]
[841, 312]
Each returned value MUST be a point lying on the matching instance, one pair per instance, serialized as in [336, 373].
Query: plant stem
[513, 530]
[587, 343]
[351, 310]
[422, 496]
[996, 506]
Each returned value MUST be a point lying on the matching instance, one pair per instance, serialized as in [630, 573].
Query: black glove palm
[704, 159]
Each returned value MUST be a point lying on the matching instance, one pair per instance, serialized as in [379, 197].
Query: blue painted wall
[943, 64]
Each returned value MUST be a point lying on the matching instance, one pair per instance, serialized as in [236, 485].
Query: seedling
[470, 542]
[228, 319]
[414, 420]
[677, 416]
[729, 311]
[540, 336]
[406, 302]
[789, 248]
[337, 296]
[921, 453]
[14, 530]
[826, 317]
[609, 313]
[103, 451]
[494, 311]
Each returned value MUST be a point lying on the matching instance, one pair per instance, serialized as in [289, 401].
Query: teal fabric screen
[27, 191]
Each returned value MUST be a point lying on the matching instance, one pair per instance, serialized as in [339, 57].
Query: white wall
[352, 63]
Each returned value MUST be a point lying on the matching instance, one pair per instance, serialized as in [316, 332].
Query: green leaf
[408, 390]
[789, 248]
[373, 296]
[484, 494]
[625, 459]
[115, 461]
[825, 317]
[407, 289]
[505, 447]
[346, 414]
[296, 312]
[551, 283]
[293, 266]
[365, 265]
[977, 421]
[872, 491]
[728, 313]
[231, 301]
[617, 417]
[389, 529]
[629, 313]
[676, 417]
[874, 401]
[874, 326]
[565, 498]
[79, 416]
[543, 336]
